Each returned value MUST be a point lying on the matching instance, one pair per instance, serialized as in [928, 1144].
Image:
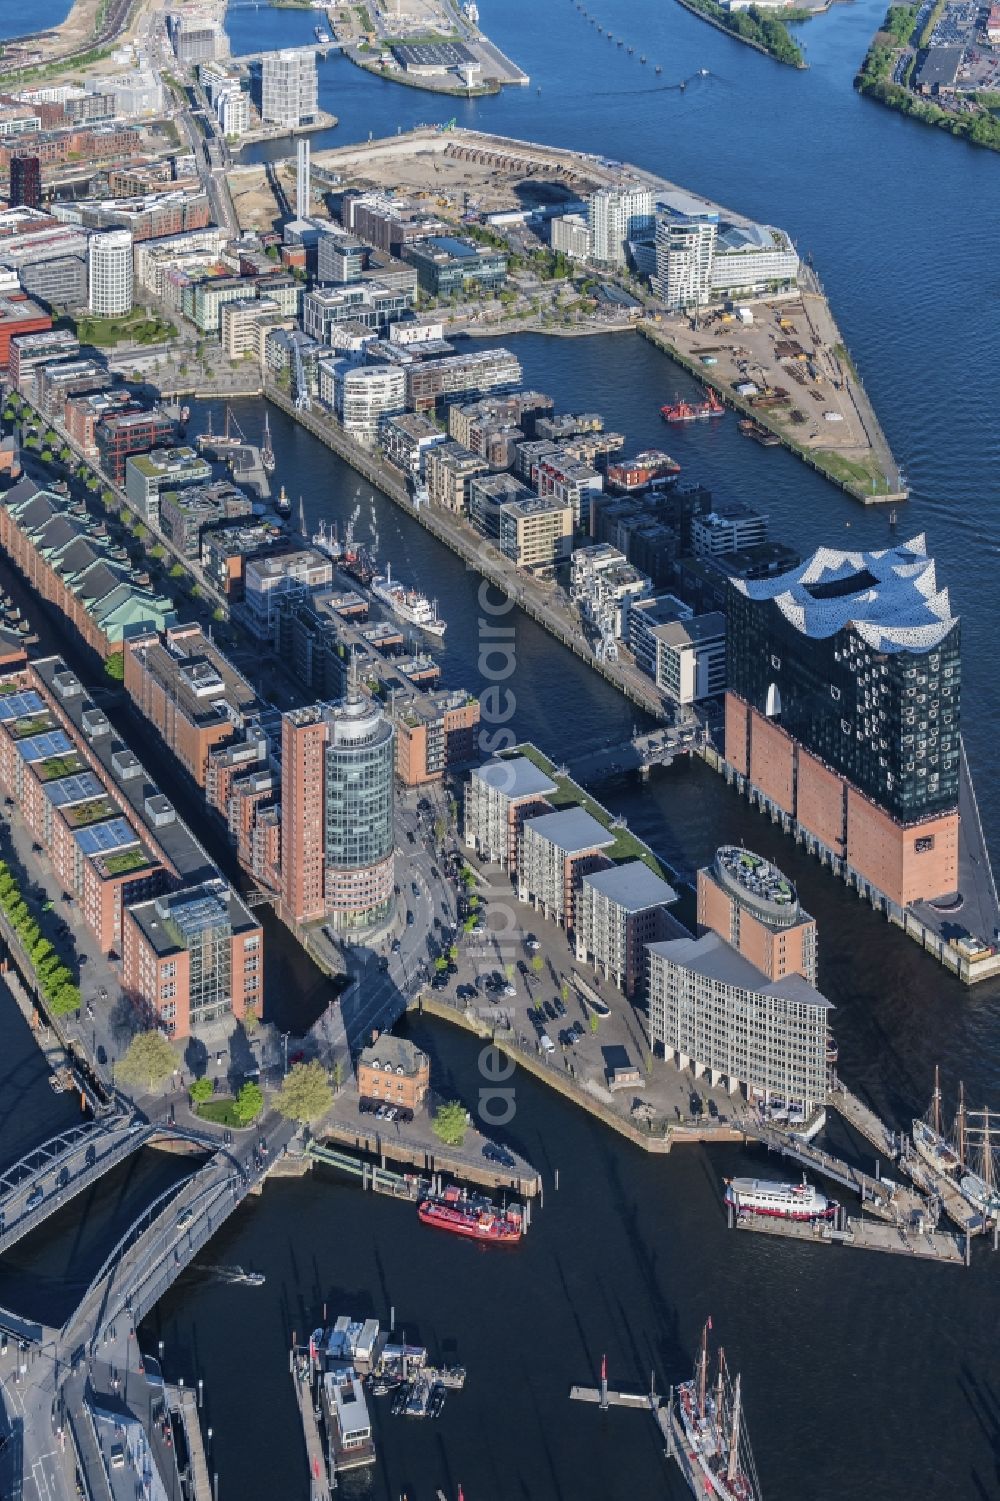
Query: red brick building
[750, 904]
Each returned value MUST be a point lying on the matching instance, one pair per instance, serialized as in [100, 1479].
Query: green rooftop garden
[124, 861]
[94, 810]
[34, 724]
[570, 794]
[59, 766]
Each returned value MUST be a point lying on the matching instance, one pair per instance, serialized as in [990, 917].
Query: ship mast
[987, 1170]
[936, 1102]
[733, 1467]
[703, 1369]
[720, 1406]
[960, 1125]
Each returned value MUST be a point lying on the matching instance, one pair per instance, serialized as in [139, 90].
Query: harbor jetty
[339, 1371]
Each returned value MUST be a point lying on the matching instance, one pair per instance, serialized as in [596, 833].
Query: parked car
[560, 1008]
[550, 1010]
[531, 944]
[578, 1028]
[548, 1046]
[410, 919]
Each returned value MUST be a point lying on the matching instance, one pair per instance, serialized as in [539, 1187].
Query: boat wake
[231, 1274]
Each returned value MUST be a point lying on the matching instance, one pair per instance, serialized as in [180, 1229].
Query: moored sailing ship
[716, 1448]
[966, 1159]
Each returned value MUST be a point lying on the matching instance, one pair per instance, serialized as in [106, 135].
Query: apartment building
[450, 470]
[477, 374]
[728, 528]
[555, 851]
[605, 585]
[362, 396]
[619, 911]
[407, 440]
[499, 796]
[684, 653]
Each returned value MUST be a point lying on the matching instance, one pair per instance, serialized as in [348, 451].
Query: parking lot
[515, 975]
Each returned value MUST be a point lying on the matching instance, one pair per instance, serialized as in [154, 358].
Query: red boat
[463, 1214]
[691, 411]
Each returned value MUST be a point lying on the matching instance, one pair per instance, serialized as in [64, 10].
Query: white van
[547, 1045]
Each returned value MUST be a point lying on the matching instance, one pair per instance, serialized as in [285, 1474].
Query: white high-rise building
[232, 106]
[685, 253]
[110, 272]
[615, 216]
[289, 87]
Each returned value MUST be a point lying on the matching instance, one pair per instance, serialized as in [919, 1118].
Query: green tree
[249, 1103]
[149, 1061]
[200, 1090]
[250, 1020]
[305, 1094]
[536, 963]
[450, 1123]
[593, 1021]
[114, 667]
[564, 992]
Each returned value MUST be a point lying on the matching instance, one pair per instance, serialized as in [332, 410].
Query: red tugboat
[467, 1214]
[692, 411]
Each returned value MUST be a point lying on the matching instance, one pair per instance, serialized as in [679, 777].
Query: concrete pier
[319, 1480]
[866, 1235]
[183, 1401]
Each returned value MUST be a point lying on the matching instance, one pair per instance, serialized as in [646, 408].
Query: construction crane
[303, 401]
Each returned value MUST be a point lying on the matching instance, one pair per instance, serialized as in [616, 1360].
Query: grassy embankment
[981, 128]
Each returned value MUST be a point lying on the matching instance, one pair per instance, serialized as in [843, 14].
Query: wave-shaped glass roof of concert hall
[891, 598]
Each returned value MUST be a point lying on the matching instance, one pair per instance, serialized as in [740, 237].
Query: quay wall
[759, 414]
[570, 1090]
